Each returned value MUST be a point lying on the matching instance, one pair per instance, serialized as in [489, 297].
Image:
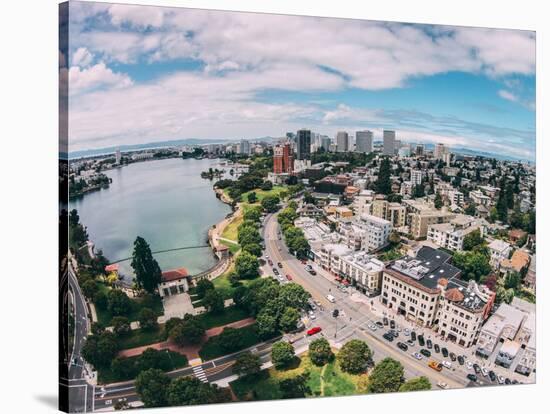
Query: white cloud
[82, 57]
[137, 15]
[97, 76]
[509, 96]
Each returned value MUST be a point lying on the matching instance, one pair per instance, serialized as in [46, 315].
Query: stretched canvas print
[258, 207]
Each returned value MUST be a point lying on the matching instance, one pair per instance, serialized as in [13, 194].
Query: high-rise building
[440, 151]
[244, 147]
[389, 142]
[303, 144]
[325, 142]
[283, 160]
[363, 141]
[118, 157]
[416, 177]
[342, 141]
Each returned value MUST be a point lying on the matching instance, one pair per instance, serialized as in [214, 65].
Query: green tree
[438, 202]
[418, 191]
[247, 266]
[253, 214]
[354, 356]
[320, 352]
[121, 325]
[472, 240]
[247, 364]
[267, 323]
[270, 203]
[213, 301]
[203, 286]
[383, 183]
[147, 319]
[289, 319]
[387, 376]
[252, 198]
[99, 350]
[118, 302]
[230, 340]
[187, 331]
[295, 387]
[146, 268]
[282, 354]
[512, 280]
[151, 387]
[470, 209]
[294, 295]
[248, 235]
[474, 264]
[253, 248]
[192, 391]
[90, 289]
[416, 384]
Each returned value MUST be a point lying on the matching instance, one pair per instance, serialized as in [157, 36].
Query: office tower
[363, 141]
[283, 161]
[118, 157]
[303, 144]
[244, 147]
[325, 142]
[440, 151]
[342, 141]
[419, 150]
[389, 142]
[416, 177]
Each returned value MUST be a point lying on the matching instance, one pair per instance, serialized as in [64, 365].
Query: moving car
[442, 385]
[472, 377]
[402, 346]
[447, 364]
[314, 330]
[435, 365]
[426, 353]
[331, 298]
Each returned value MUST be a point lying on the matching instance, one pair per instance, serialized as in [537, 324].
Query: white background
[28, 206]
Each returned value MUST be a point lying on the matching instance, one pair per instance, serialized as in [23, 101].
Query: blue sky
[142, 74]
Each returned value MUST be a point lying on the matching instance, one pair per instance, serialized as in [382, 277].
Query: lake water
[164, 201]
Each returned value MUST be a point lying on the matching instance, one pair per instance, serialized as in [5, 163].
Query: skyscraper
[118, 157]
[303, 144]
[440, 151]
[389, 142]
[342, 141]
[244, 147]
[283, 161]
[325, 143]
[363, 141]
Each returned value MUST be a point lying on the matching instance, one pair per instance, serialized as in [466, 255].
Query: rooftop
[175, 274]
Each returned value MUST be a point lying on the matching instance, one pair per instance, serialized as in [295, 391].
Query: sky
[140, 74]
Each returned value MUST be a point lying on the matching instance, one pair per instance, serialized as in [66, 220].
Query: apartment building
[420, 221]
[395, 213]
[428, 290]
[363, 271]
[479, 198]
[451, 235]
[499, 250]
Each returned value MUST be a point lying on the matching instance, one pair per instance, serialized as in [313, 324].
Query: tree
[295, 387]
[252, 198]
[187, 331]
[247, 266]
[320, 352]
[230, 340]
[289, 319]
[146, 268]
[394, 238]
[118, 302]
[282, 354]
[267, 323]
[90, 289]
[474, 264]
[267, 185]
[98, 263]
[121, 325]
[387, 376]
[354, 356]
[438, 202]
[99, 350]
[416, 384]
[203, 286]
[470, 209]
[152, 386]
[253, 214]
[253, 248]
[147, 319]
[294, 295]
[383, 183]
[247, 364]
[472, 240]
[270, 203]
[192, 391]
[418, 191]
[512, 280]
[213, 301]
[74, 218]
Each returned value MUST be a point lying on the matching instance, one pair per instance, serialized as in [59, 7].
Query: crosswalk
[199, 373]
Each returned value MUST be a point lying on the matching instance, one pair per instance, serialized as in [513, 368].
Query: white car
[312, 315]
[406, 332]
[469, 365]
[500, 379]
[266, 257]
[447, 364]
[372, 327]
[417, 355]
[484, 371]
[443, 385]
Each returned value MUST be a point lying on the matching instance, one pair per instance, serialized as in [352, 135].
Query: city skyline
[181, 73]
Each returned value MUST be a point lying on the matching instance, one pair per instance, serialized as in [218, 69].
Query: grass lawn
[234, 247]
[213, 348]
[230, 231]
[149, 301]
[261, 194]
[230, 314]
[140, 337]
[223, 285]
[106, 376]
[323, 381]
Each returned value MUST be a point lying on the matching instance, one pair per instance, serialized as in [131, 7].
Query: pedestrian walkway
[199, 373]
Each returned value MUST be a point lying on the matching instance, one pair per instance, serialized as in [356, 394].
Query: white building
[499, 250]
[342, 141]
[451, 235]
[363, 271]
[377, 231]
[389, 142]
[416, 177]
[363, 141]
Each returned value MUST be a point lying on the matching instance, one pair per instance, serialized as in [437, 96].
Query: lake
[164, 201]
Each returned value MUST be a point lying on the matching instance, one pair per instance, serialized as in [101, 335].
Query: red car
[288, 277]
[314, 330]
[270, 262]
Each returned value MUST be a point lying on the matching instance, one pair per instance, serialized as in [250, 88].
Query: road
[355, 316]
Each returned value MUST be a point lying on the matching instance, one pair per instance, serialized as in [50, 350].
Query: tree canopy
[387, 376]
[146, 268]
[354, 356]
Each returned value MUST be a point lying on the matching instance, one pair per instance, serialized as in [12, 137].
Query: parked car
[270, 262]
[312, 272]
[492, 376]
[417, 355]
[314, 330]
[392, 324]
[429, 344]
[447, 364]
[373, 327]
[477, 368]
[413, 335]
[444, 352]
[469, 365]
[507, 381]
[436, 348]
[460, 360]
[472, 377]
[388, 336]
[410, 342]
[288, 277]
[402, 346]
[500, 379]
[394, 333]
[379, 324]
[275, 271]
[280, 265]
[484, 372]
[385, 320]
[406, 332]
[331, 298]
[442, 385]
[435, 365]
[426, 353]
[311, 315]
[421, 340]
